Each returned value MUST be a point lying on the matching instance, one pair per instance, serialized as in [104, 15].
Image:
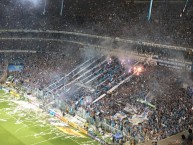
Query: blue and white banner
[12, 67]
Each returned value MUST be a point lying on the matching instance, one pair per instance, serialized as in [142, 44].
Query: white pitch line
[48, 140]
[74, 141]
[87, 142]
[24, 126]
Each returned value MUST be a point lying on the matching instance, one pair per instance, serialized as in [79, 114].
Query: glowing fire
[138, 69]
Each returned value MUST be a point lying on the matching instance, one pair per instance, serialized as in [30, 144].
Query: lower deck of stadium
[119, 99]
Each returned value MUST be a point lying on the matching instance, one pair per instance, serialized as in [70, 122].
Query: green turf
[20, 127]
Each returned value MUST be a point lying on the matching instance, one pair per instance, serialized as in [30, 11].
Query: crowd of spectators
[113, 19]
[40, 68]
[172, 104]
[157, 93]
[172, 114]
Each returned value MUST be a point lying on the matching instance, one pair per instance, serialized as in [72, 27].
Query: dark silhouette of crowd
[116, 19]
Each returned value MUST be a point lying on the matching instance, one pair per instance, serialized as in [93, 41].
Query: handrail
[113, 39]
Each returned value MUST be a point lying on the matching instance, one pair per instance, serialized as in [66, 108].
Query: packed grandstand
[115, 93]
[108, 83]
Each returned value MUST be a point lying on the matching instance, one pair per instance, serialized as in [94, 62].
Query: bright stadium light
[34, 2]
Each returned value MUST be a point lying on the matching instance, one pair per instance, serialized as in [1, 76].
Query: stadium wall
[68, 122]
[74, 125]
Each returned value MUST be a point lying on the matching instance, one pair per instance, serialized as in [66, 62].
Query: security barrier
[68, 122]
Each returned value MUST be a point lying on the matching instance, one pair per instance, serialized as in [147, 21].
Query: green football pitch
[19, 126]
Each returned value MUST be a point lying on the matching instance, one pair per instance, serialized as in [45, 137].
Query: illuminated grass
[22, 127]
